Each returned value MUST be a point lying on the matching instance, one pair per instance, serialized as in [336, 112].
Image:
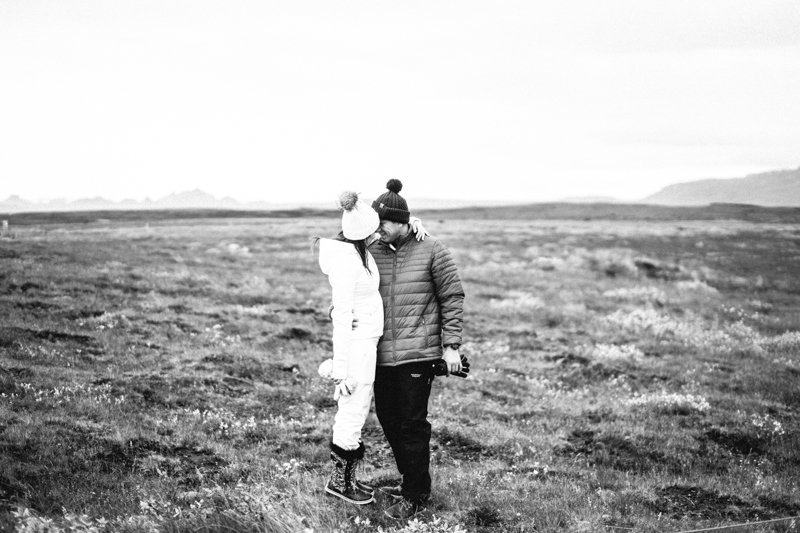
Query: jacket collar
[399, 243]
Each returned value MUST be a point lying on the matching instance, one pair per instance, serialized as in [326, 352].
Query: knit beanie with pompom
[390, 205]
[359, 220]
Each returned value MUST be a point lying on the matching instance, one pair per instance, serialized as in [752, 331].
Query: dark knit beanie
[390, 205]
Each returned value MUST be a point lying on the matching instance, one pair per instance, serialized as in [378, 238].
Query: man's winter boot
[341, 483]
[394, 492]
[404, 509]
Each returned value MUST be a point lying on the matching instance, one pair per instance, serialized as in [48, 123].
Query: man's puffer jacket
[423, 301]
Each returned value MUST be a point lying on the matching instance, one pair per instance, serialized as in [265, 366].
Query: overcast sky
[291, 100]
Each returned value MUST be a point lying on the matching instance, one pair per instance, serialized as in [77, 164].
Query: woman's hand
[330, 315]
[344, 387]
[419, 230]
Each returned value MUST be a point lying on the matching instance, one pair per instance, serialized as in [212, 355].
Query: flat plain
[635, 374]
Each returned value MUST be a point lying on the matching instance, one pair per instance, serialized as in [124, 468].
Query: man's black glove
[440, 367]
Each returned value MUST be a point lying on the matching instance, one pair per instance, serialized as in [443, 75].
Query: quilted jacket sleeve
[449, 293]
[343, 284]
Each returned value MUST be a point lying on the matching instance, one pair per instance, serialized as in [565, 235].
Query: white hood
[331, 252]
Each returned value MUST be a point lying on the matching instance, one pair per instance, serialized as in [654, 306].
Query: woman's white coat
[355, 295]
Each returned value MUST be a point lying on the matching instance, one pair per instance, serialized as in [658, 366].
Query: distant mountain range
[779, 188]
[186, 200]
[772, 189]
[198, 199]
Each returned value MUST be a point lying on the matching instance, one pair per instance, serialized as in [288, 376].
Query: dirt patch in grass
[163, 391]
[779, 506]
[25, 287]
[514, 373]
[135, 287]
[527, 415]
[301, 310]
[54, 467]
[568, 359]
[272, 373]
[737, 442]
[679, 501]
[459, 446]
[35, 305]
[297, 333]
[619, 453]
[180, 460]
[251, 368]
[322, 402]
[484, 516]
[597, 416]
[184, 327]
[10, 335]
[11, 378]
[254, 369]
[74, 464]
[531, 473]
[249, 300]
[60, 336]
[654, 269]
[502, 399]
[16, 372]
[79, 314]
[219, 358]
[577, 374]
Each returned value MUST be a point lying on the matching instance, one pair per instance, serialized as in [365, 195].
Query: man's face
[390, 230]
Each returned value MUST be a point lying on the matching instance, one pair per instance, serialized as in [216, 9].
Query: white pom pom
[326, 368]
[347, 200]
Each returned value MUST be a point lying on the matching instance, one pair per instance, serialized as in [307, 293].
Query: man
[423, 314]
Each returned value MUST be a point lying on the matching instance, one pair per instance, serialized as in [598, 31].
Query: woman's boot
[341, 483]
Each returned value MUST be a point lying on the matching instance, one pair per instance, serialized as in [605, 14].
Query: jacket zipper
[394, 323]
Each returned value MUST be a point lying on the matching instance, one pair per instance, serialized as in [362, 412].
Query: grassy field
[627, 375]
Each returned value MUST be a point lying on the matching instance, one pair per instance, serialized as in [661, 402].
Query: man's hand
[440, 367]
[452, 360]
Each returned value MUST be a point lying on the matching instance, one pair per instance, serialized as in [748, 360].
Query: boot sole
[391, 495]
[345, 498]
[370, 490]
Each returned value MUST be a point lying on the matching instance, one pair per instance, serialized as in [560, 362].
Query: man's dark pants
[401, 403]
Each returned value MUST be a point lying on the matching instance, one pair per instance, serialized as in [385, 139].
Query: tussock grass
[627, 374]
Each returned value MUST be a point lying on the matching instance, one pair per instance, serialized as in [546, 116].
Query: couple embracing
[404, 296]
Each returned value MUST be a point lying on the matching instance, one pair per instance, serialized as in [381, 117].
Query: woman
[354, 280]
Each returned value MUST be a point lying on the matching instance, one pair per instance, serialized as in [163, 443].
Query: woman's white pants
[353, 410]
